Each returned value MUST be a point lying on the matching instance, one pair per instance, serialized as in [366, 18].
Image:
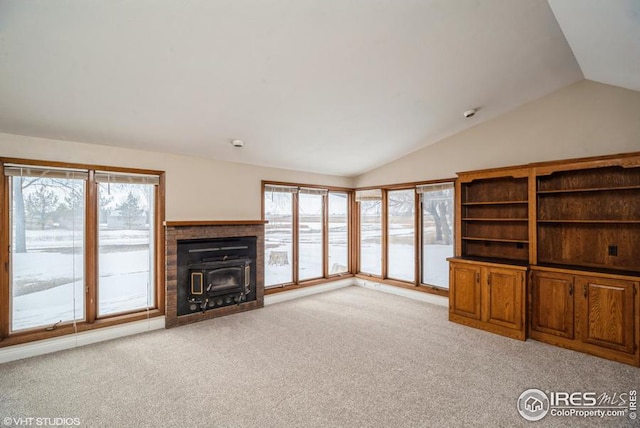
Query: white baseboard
[17, 352]
[307, 291]
[347, 282]
[399, 291]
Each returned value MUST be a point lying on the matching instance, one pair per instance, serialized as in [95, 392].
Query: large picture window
[82, 244]
[370, 207]
[278, 212]
[125, 243]
[310, 233]
[47, 246]
[401, 234]
[437, 232]
[390, 230]
[338, 232]
[306, 235]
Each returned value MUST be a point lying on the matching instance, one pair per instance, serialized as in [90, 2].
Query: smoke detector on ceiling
[237, 143]
[469, 113]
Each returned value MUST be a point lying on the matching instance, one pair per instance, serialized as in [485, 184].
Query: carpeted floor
[347, 358]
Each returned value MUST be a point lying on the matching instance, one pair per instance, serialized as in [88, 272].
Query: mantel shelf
[214, 223]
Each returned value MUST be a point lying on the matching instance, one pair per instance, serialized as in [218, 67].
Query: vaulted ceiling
[335, 86]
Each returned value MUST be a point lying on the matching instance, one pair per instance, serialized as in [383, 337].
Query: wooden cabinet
[576, 225]
[586, 312]
[608, 313]
[552, 308]
[488, 296]
[464, 290]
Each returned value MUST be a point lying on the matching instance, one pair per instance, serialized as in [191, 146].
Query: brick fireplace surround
[185, 230]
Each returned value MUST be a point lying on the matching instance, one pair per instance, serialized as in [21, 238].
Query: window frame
[417, 283]
[91, 321]
[296, 282]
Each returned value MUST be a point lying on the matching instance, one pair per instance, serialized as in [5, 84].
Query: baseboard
[40, 347]
[404, 292]
[307, 291]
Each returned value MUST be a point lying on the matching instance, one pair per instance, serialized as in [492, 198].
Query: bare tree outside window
[437, 233]
[401, 234]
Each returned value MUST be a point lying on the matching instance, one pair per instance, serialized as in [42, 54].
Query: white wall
[197, 188]
[583, 119]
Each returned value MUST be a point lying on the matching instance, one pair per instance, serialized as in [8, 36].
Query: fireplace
[213, 268]
[214, 273]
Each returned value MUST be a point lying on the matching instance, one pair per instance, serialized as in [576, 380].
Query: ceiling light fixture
[237, 143]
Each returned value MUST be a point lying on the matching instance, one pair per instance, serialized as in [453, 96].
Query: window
[401, 234]
[307, 233]
[278, 211]
[437, 232]
[125, 243]
[47, 246]
[310, 233]
[391, 214]
[370, 207]
[82, 245]
[338, 233]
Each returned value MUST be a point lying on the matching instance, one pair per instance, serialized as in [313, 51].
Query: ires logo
[574, 399]
[534, 404]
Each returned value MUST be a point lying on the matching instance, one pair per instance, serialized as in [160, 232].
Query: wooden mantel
[214, 223]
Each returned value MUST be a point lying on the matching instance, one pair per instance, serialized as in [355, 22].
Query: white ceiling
[604, 37]
[334, 86]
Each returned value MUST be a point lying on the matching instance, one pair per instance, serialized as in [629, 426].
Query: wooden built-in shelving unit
[574, 226]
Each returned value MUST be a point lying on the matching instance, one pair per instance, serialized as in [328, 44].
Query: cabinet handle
[571, 290]
[477, 277]
[584, 289]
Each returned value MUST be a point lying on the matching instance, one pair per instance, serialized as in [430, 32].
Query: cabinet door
[607, 313]
[552, 303]
[464, 292]
[504, 297]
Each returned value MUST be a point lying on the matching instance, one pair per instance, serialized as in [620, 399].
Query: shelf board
[496, 203]
[592, 221]
[593, 189]
[496, 219]
[591, 267]
[514, 241]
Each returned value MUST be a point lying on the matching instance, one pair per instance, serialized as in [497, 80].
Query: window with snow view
[125, 243]
[437, 232]
[278, 211]
[306, 235]
[370, 204]
[82, 247]
[310, 235]
[401, 234]
[338, 233]
[47, 246]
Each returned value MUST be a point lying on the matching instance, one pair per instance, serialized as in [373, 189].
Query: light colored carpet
[347, 358]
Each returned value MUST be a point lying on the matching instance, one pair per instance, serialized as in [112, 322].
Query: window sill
[68, 329]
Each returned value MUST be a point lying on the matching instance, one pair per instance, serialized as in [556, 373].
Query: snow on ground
[49, 277]
[401, 256]
[55, 272]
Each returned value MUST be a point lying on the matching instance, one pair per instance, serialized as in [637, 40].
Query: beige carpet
[347, 358]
